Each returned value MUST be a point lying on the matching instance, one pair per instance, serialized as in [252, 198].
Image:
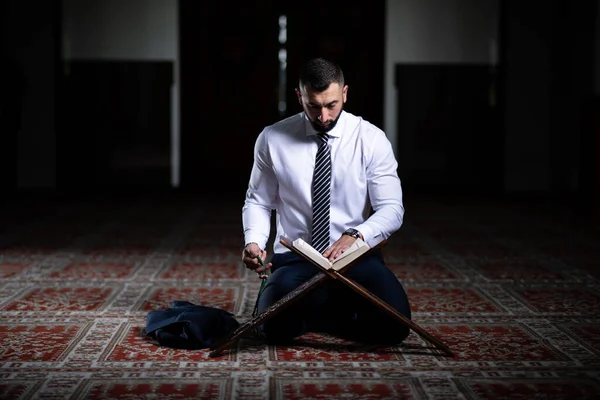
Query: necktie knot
[323, 137]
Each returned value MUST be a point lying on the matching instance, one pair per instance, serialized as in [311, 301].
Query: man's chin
[322, 128]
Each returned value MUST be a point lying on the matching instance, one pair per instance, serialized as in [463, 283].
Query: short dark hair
[319, 73]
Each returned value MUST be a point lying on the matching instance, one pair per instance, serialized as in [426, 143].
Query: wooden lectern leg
[305, 288]
[391, 310]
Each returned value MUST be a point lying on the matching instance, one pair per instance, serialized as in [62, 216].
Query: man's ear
[299, 94]
[344, 93]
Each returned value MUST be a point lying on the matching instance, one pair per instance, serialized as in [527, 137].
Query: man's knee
[282, 280]
[287, 278]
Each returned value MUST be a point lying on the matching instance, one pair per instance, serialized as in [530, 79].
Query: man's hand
[250, 256]
[339, 247]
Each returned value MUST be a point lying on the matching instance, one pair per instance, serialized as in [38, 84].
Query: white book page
[309, 251]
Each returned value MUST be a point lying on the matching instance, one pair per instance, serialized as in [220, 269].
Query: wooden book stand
[304, 289]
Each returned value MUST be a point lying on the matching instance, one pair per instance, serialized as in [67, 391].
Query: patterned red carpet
[513, 290]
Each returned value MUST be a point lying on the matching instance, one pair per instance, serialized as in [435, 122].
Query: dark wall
[229, 72]
[11, 116]
[548, 95]
[450, 138]
[573, 102]
[525, 126]
[30, 67]
[115, 125]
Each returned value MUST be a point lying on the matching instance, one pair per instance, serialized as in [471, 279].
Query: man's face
[323, 108]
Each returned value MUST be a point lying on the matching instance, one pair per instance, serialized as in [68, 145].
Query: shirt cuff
[260, 240]
[369, 236]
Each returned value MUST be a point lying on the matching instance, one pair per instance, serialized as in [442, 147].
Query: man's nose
[323, 115]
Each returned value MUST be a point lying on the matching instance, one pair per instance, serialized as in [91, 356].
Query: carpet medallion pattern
[513, 290]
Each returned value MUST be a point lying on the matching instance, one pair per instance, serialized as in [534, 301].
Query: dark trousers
[332, 307]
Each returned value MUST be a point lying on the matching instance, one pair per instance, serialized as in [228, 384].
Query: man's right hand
[250, 256]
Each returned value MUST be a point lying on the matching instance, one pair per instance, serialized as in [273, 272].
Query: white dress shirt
[363, 176]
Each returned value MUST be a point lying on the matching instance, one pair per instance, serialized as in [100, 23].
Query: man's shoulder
[364, 127]
[287, 125]
[279, 134]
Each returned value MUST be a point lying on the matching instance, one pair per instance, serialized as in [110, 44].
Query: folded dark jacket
[189, 326]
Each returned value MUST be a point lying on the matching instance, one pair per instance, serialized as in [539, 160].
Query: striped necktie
[321, 195]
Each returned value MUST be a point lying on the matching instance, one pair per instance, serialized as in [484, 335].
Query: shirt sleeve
[385, 192]
[261, 195]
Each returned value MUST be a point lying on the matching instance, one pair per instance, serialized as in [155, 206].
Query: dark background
[544, 89]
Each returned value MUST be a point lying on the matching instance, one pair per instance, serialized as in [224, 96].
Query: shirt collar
[335, 132]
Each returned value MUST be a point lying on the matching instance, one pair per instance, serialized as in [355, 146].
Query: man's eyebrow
[326, 105]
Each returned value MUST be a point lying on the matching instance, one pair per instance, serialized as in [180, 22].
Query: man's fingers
[253, 263]
[335, 252]
[253, 258]
[263, 268]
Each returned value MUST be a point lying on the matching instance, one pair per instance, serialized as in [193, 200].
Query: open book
[358, 248]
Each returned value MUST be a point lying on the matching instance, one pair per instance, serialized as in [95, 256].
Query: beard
[324, 129]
